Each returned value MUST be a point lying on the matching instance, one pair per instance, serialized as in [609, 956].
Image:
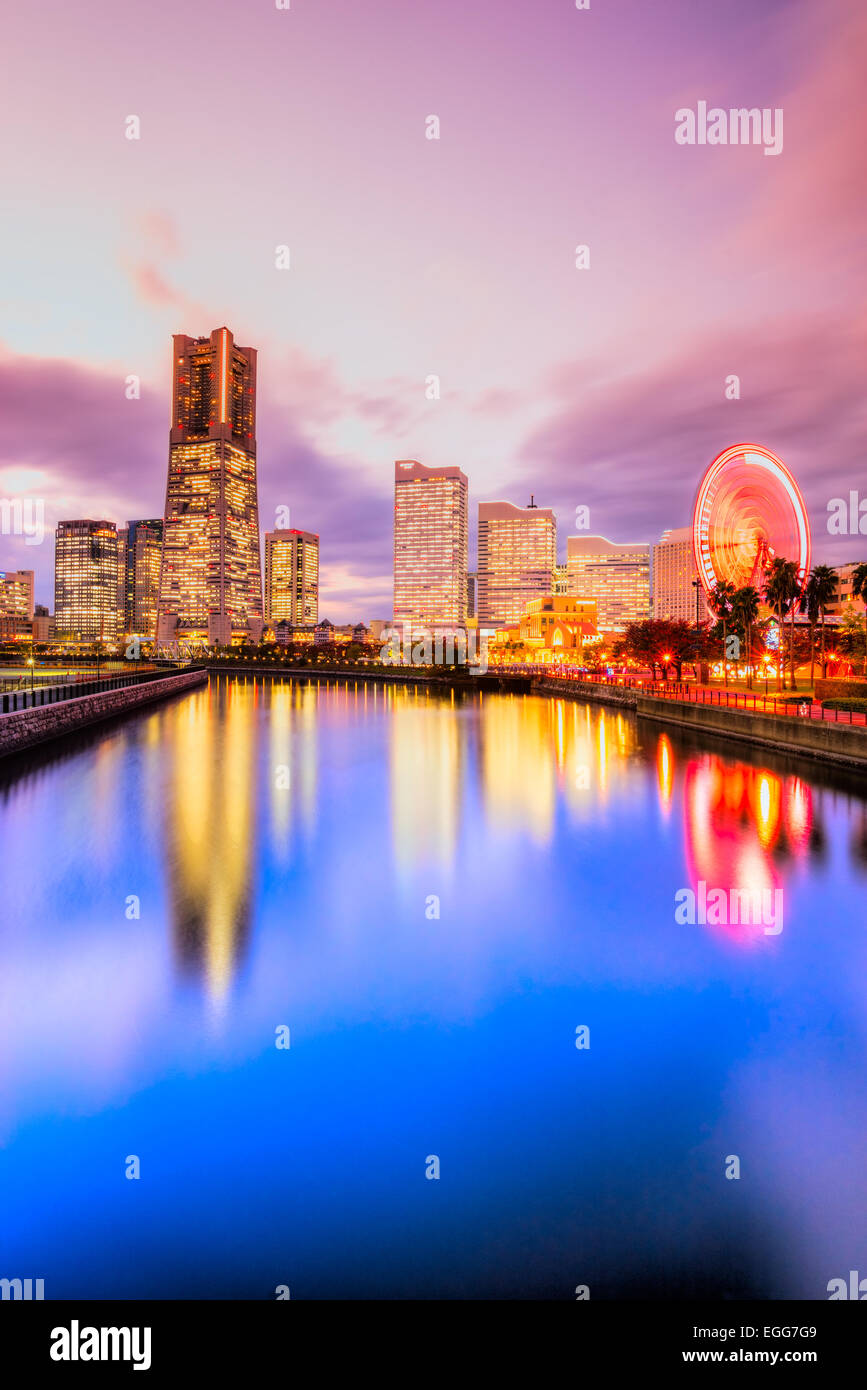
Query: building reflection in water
[522, 744]
[293, 709]
[537, 751]
[211, 830]
[425, 770]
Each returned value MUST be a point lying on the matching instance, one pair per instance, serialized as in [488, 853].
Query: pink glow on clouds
[412, 257]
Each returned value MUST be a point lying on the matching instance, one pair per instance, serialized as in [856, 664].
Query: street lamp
[697, 585]
[30, 664]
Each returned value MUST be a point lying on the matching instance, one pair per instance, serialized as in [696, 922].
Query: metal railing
[748, 702]
[23, 697]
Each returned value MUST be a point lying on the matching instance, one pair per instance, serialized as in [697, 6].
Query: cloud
[634, 448]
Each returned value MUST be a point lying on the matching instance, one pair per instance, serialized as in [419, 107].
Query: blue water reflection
[289, 847]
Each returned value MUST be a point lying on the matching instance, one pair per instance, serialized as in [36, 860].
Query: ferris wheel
[748, 511]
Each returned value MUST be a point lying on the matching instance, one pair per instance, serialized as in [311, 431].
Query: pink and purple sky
[411, 257]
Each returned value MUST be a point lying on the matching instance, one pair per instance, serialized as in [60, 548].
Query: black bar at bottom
[164, 1339]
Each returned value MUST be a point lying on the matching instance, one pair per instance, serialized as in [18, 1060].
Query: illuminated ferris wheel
[748, 511]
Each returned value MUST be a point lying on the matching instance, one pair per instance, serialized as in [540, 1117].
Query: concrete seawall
[27, 728]
[825, 739]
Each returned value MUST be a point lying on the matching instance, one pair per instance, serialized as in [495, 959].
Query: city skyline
[588, 405]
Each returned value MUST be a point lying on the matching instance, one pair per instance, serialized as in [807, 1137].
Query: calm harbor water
[432, 895]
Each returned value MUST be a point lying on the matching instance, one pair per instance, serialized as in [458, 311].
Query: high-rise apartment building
[430, 545]
[85, 580]
[616, 576]
[211, 579]
[16, 595]
[673, 570]
[517, 555]
[141, 556]
[292, 578]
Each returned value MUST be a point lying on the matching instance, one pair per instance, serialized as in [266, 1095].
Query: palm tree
[720, 600]
[822, 585]
[859, 590]
[745, 609]
[781, 591]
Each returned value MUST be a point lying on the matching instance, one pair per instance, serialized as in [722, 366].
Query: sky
[409, 257]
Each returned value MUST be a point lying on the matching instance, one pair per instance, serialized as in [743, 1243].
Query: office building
[616, 576]
[517, 555]
[430, 545]
[140, 578]
[843, 598]
[292, 578]
[16, 595]
[85, 580]
[673, 570]
[210, 580]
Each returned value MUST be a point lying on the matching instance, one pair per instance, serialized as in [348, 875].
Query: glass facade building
[673, 570]
[616, 576]
[86, 580]
[292, 578]
[517, 556]
[140, 577]
[430, 545]
[211, 580]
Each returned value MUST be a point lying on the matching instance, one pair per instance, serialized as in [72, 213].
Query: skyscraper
[140, 578]
[292, 578]
[85, 580]
[430, 545]
[673, 570]
[616, 576]
[517, 555]
[210, 579]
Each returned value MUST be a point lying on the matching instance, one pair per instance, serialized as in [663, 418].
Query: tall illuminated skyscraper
[292, 578]
[616, 576]
[517, 555]
[211, 574]
[430, 545]
[85, 580]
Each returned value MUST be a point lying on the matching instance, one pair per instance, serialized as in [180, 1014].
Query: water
[290, 846]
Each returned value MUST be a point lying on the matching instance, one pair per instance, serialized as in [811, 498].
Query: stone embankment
[26, 728]
[835, 742]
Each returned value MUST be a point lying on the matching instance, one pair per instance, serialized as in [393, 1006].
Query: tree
[859, 590]
[851, 636]
[745, 612]
[661, 642]
[781, 591]
[720, 601]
